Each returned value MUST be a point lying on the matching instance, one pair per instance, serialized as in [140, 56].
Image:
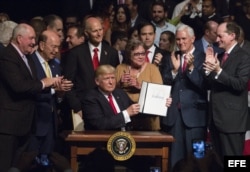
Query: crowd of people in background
[94, 64]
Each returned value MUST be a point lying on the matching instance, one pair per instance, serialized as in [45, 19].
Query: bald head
[50, 34]
[210, 31]
[212, 24]
[94, 30]
[48, 44]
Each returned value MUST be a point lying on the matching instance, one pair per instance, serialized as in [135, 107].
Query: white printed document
[153, 98]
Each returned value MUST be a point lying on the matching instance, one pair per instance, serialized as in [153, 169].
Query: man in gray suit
[228, 75]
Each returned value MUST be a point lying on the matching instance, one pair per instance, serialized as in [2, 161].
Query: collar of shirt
[190, 52]
[91, 49]
[18, 50]
[120, 56]
[164, 27]
[133, 21]
[204, 43]
[230, 49]
[211, 16]
[114, 100]
[40, 58]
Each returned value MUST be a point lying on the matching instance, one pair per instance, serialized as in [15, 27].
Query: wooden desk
[152, 143]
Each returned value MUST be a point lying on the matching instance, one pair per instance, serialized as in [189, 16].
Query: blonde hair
[104, 69]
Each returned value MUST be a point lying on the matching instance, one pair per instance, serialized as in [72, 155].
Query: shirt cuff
[126, 116]
[174, 74]
[207, 72]
[43, 84]
[218, 74]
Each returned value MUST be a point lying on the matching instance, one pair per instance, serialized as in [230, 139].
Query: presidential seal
[121, 145]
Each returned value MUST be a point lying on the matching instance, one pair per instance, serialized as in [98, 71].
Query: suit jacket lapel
[87, 58]
[40, 72]
[54, 69]
[231, 55]
[19, 58]
[104, 54]
[118, 99]
[104, 100]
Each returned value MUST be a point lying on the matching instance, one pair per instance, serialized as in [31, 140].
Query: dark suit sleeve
[70, 73]
[18, 89]
[196, 77]
[237, 81]
[166, 68]
[16, 76]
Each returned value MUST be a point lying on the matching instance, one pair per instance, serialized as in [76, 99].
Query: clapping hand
[157, 59]
[125, 78]
[190, 61]
[65, 85]
[176, 61]
[52, 82]
[134, 82]
[211, 62]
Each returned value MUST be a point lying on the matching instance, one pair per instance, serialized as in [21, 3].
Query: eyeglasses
[139, 54]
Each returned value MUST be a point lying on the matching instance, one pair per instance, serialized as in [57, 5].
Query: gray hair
[20, 29]
[6, 30]
[186, 27]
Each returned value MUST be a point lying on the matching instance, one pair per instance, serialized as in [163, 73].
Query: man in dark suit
[186, 118]
[98, 114]
[133, 6]
[43, 138]
[18, 87]
[155, 55]
[79, 66]
[228, 76]
[209, 38]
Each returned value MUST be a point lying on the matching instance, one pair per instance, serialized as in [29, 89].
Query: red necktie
[224, 58]
[95, 58]
[146, 58]
[112, 103]
[184, 64]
